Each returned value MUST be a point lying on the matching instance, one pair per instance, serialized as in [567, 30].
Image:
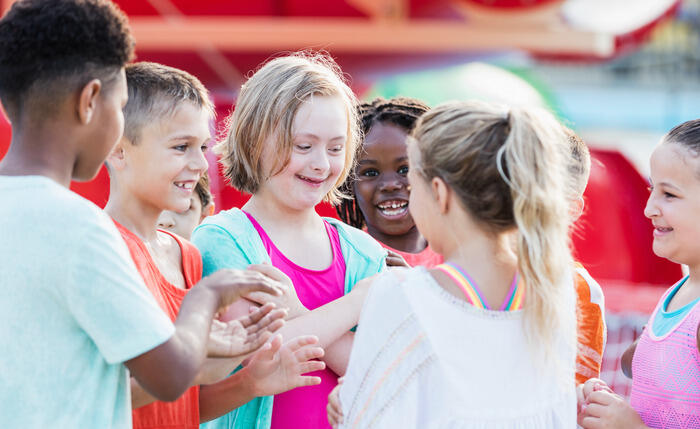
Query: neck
[694, 274]
[132, 212]
[268, 212]
[410, 242]
[478, 251]
[34, 151]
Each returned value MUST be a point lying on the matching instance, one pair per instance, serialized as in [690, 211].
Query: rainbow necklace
[512, 302]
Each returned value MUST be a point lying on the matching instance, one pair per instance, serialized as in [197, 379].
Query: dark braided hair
[400, 111]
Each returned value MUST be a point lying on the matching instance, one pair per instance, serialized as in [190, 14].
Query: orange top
[183, 413]
[590, 310]
[426, 257]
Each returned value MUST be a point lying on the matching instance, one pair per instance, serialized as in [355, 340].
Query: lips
[187, 185]
[313, 181]
[393, 208]
[660, 231]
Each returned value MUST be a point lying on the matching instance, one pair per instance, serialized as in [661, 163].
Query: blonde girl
[485, 340]
[291, 142]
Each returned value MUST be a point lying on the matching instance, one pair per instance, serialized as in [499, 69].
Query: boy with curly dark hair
[74, 311]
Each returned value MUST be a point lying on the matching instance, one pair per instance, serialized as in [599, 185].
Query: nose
[198, 161]
[166, 220]
[319, 161]
[392, 183]
[651, 210]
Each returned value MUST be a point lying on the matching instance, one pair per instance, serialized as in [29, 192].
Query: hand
[333, 409]
[585, 389]
[229, 285]
[275, 368]
[393, 259]
[244, 335]
[609, 410]
[288, 299]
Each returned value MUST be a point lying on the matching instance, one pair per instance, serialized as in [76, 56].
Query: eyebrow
[669, 185]
[315, 137]
[187, 137]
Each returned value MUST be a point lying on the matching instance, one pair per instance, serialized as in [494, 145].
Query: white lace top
[425, 359]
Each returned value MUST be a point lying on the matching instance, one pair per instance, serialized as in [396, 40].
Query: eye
[205, 147]
[669, 195]
[336, 149]
[302, 146]
[403, 170]
[180, 147]
[370, 172]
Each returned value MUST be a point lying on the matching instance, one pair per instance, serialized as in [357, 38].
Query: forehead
[322, 115]
[386, 135]
[672, 163]
[187, 119]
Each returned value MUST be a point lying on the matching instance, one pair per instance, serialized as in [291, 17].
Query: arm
[272, 370]
[331, 323]
[168, 370]
[626, 359]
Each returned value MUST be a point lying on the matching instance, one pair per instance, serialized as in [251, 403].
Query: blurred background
[620, 73]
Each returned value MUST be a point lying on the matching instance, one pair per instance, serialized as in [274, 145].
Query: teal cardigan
[229, 240]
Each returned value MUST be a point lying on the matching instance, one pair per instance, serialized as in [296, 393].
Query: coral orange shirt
[426, 257]
[591, 331]
[183, 413]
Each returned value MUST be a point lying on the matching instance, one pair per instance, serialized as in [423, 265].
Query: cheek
[363, 194]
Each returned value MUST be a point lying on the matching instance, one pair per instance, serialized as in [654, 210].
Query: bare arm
[166, 371]
[626, 359]
[272, 370]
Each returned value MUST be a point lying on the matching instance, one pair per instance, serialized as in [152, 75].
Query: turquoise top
[664, 321]
[229, 240]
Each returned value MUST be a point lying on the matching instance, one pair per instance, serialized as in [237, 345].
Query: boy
[201, 206]
[156, 166]
[590, 302]
[75, 313]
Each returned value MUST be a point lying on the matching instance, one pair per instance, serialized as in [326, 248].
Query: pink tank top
[666, 374]
[305, 407]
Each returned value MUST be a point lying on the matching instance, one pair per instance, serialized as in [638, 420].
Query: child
[154, 167]
[184, 222]
[590, 302]
[379, 189]
[291, 143]
[447, 353]
[665, 362]
[75, 313]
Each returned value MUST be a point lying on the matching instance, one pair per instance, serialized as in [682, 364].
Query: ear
[441, 193]
[576, 209]
[117, 158]
[88, 101]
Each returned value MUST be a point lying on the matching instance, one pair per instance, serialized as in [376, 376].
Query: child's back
[66, 279]
[485, 339]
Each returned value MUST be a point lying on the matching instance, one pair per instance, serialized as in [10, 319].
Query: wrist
[247, 383]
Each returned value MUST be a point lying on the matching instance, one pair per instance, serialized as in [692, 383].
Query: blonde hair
[155, 93]
[579, 165]
[266, 107]
[508, 168]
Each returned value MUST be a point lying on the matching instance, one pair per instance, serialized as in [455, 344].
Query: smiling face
[381, 188]
[317, 158]
[674, 203]
[163, 168]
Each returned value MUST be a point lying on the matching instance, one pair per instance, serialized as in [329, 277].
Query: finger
[594, 410]
[275, 318]
[311, 366]
[392, 261]
[255, 314]
[268, 350]
[591, 423]
[333, 414]
[601, 397]
[298, 342]
[307, 380]
[309, 352]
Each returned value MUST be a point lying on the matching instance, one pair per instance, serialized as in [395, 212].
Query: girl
[379, 186]
[664, 363]
[291, 143]
[449, 353]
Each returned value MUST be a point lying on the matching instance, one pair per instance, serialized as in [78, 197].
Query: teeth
[393, 205]
[187, 185]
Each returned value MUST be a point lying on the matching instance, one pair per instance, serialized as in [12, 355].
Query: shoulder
[357, 240]
[233, 224]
